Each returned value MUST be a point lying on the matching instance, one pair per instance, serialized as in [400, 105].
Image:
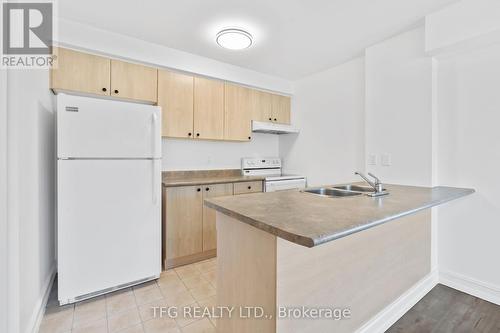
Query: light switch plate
[386, 159]
[372, 159]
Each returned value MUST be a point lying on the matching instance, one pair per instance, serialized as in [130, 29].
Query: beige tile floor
[131, 310]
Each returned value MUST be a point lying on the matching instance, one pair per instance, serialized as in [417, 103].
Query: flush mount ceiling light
[234, 39]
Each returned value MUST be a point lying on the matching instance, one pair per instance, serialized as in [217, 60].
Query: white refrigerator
[108, 195]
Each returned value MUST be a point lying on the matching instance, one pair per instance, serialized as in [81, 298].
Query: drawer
[247, 187]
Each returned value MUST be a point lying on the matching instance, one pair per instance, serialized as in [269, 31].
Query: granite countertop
[311, 220]
[205, 177]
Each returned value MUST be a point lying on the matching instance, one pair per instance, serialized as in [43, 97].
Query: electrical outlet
[386, 159]
[372, 159]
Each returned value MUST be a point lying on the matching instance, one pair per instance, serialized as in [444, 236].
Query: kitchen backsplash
[181, 154]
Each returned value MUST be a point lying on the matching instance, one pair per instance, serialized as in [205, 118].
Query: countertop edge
[310, 242]
[327, 239]
[212, 181]
[294, 238]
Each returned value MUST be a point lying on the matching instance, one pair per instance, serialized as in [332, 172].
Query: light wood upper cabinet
[238, 113]
[175, 96]
[208, 109]
[133, 81]
[184, 221]
[269, 107]
[209, 232]
[80, 72]
[280, 109]
[192, 107]
[261, 106]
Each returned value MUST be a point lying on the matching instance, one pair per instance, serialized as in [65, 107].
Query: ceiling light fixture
[234, 39]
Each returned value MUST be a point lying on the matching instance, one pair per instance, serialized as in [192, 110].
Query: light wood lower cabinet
[247, 187]
[189, 233]
[183, 232]
[209, 232]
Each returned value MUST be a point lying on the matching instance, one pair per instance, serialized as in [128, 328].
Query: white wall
[469, 156]
[399, 109]
[31, 194]
[463, 25]
[3, 203]
[328, 107]
[85, 37]
[198, 155]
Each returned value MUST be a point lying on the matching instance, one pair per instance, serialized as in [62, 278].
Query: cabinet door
[208, 109]
[280, 108]
[209, 232]
[184, 221]
[238, 113]
[261, 106]
[133, 81]
[81, 72]
[175, 96]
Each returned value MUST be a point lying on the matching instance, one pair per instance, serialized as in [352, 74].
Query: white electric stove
[271, 169]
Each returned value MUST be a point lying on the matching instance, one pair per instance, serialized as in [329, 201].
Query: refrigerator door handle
[155, 186]
[154, 134]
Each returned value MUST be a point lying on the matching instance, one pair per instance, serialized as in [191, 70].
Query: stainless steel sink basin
[331, 192]
[355, 188]
[348, 190]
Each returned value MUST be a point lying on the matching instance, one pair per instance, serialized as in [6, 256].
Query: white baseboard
[388, 316]
[471, 286]
[39, 309]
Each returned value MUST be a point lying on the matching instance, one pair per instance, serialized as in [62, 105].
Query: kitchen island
[287, 253]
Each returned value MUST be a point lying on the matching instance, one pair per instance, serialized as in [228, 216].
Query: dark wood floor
[446, 310]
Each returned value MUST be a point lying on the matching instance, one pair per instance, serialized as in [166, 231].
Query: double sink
[344, 191]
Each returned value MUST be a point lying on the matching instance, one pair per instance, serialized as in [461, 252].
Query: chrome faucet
[377, 185]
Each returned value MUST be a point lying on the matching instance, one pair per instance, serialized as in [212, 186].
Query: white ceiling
[292, 38]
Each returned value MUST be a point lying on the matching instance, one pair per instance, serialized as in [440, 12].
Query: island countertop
[311, 220]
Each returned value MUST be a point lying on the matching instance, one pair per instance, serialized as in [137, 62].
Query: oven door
[283, 185]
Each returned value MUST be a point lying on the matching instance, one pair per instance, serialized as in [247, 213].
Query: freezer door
[99, 128]
[109, 224]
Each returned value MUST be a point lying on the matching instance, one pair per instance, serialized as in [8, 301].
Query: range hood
[272, 128]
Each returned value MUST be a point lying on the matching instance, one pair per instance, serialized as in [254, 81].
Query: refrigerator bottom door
[109, 225]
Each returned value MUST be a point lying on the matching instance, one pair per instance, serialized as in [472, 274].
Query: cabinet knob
[197, 134]
[249, 187]
[270, 118]
[104, 89]
[207, 189]
[249, 138]
[116, 91]
[198, 189]
[189, 134]
[275, 119]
